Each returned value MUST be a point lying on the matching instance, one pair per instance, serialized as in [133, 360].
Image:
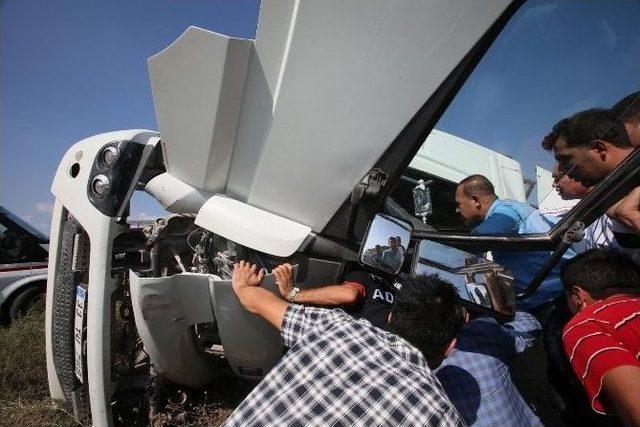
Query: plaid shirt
[340, 371]
[476, 374]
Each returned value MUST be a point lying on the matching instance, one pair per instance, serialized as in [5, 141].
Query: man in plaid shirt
[343, 371]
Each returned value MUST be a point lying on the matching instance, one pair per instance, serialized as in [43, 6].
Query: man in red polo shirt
[602, 340]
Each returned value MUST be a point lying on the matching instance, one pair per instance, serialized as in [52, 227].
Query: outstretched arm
[246, 284]
[330, 295]
[627, 210]
[621, 388]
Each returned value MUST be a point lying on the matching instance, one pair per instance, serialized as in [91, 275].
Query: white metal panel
[252, 227]
[175, 195]
[71, 193]
[165, 309]
[252, 346]
[70, 190]
[275, 31]
[264, 79]
[353, 78]
[329, 85]
[197, 85]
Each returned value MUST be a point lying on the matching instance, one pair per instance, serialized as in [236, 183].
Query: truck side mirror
[385, 243]
[483, 285]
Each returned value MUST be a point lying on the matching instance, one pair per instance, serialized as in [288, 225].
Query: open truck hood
[290, 122]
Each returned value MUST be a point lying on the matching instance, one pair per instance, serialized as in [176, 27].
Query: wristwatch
[291, 296]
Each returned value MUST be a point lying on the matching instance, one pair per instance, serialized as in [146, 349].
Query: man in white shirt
[600, 233]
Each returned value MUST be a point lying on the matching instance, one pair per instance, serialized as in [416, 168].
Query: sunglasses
[571, 166]
[567, 167]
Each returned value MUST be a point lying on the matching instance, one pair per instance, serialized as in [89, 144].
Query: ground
[23, 377]
[24, 393]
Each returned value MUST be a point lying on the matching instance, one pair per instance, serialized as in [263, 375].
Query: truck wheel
[30, 299]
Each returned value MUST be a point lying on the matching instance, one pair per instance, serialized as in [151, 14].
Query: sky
[70, 69]
[553, 59]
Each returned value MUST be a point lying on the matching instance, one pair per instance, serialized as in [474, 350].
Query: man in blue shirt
[476, 374]
[477, 203]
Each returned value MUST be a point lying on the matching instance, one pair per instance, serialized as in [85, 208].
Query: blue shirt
[514, 218]
[476, 374]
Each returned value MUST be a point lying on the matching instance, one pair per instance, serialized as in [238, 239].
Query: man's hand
[627, 210]
[254, 298]
[245, 275]
[284, 278]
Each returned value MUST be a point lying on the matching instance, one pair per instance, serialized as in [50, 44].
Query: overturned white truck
[293, 146]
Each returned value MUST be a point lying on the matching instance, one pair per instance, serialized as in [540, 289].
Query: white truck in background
[452, 158]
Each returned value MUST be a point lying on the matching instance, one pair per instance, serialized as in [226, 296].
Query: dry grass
[200, 407]
[33, 413]
[201, 415]
[24, 392]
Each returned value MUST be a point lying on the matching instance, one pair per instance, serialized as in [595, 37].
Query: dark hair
[477, 184]
[428, 314]
[602, 273]
[586, 126]
[548, 140]
[628, 108]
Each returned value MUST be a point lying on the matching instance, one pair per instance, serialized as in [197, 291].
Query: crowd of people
[411, 354]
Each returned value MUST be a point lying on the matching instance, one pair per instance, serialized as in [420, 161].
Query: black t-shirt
[378, 300]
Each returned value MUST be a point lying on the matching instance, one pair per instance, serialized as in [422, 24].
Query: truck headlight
[114, 175]
[108, 156]
[100, 185]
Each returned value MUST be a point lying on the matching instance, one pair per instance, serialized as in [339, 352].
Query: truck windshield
[5, 213]
[552, 60]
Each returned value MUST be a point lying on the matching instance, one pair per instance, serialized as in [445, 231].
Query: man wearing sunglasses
[597, 235]
[589, 145]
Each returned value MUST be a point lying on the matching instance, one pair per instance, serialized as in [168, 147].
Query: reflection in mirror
[483, 284]
[385, 244]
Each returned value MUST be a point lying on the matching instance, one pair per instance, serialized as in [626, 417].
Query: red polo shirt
[601, 337]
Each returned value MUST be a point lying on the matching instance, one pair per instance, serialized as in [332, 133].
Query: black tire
[26, 300]
[64, 300]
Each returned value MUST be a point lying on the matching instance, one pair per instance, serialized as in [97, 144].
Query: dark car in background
[23, 266]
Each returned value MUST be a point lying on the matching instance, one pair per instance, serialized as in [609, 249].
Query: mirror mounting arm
[574, 234]
[369, 187]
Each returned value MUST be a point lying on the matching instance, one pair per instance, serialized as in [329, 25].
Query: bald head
[477, 184]
[474, 196]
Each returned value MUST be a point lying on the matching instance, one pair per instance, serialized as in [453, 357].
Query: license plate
[81, 308]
